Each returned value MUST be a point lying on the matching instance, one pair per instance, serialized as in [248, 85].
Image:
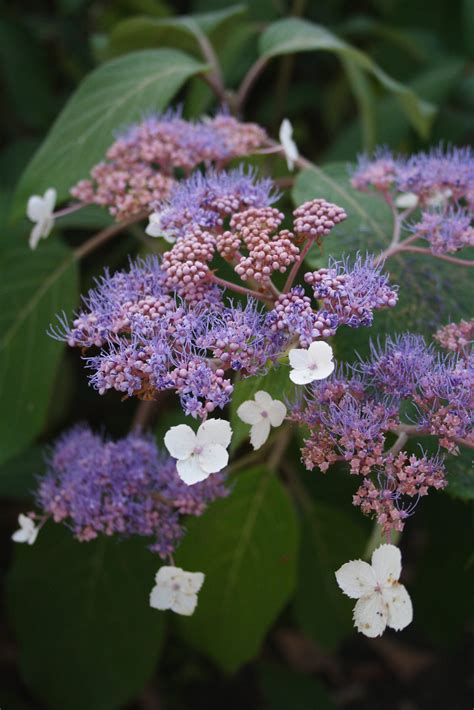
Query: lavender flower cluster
[128, 487]
[350, 415]
[440, 183]
[170, 325]
[143, 164]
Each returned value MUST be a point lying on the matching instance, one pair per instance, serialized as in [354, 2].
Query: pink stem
[296, 266]
[238, 289]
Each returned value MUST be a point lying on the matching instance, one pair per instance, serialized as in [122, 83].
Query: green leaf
[115, 94]
[18, 474]
[34, 286]
[283, 689]
[276, 382]
[87, 634]
[435, 84]
[330, 536]
[444, 572]
[460, 470]
[247, 547]
[292, 35]
[185, 32]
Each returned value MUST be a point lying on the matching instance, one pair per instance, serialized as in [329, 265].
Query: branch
[103, 236]
[443, 257]
[248, 81]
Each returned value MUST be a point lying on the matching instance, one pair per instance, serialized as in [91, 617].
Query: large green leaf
[34, 286]
[330, 536]
[115, 94]
[186, 32]
[247, 547]
[88, 637]
[434, 84]
[276, 382]
[292, 35]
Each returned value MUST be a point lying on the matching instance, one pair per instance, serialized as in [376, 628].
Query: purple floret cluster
[126, 487]
[143, 164]
[350, 416]
[436, 187]
[169, 324]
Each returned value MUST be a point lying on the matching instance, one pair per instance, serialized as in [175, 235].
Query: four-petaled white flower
[261, 413]
[40, 210]
[28, 531]
[176, 589]
[315, 363]
[288, 144]
[155, 228]
[382, 600]
[202, 453]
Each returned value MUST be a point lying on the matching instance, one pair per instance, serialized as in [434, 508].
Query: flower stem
[296, 266]
[105, 234]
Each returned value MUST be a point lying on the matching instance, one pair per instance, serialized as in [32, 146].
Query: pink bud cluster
[404, 477]
[457, 337]
[316, 219]
[139, 169]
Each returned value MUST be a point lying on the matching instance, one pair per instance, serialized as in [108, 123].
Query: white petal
[259, 433]
[20, 536]
[213, 458]
[303, 377]
[323, 371]
[387, 564]
[287, 143]
[215, 431]
[299, 359]
[406, 200]
[277, 413]
[33, 535]
[263, 399]
[190, 471]
[184, 604]
[35, 235]
[167, 574]
[161, 597]
[180, 441]
[400, 608]
[192, 582]
[249, 412]
[46, 226]
[320, 353]
[370, 615]
[153, 229]
[50, 200]
[356, 579]
[35, 208]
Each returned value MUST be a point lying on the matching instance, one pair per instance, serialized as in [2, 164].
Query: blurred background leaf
[247, 546]
[88, 636]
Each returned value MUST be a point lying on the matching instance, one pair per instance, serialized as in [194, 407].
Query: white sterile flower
[406, 200]
[28, 531]
[261, 412]
[176, 589]
[202, 453]
[40, 210]
[382, 600]
[156, 229]
[439, 198]
[288, 144]
[315, 363]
